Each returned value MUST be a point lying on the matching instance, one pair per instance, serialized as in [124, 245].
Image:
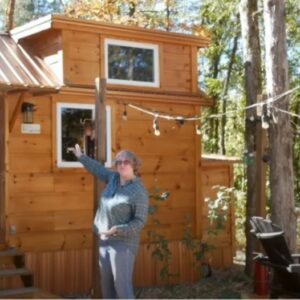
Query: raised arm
[93, 166]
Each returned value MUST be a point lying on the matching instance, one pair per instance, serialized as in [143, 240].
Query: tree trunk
[253, 87]
[225, 92]
[132, 8]
[168, 16]
[9, 15]
[280, 135]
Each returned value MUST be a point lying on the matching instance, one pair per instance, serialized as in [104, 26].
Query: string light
[264, 122]
[125, 115]
[205, 136]
[271, 113]
[155, 126]
[179, 120]
[170, 117]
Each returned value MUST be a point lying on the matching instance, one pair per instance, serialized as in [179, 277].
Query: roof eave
[61, 22]
[31, 28]
[8, 88]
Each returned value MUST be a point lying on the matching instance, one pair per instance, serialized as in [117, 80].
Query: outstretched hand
[76, 150]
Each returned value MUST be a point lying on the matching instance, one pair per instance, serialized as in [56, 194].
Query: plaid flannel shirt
[125, 207]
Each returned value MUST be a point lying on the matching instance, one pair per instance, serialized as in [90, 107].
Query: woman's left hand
[110, 232]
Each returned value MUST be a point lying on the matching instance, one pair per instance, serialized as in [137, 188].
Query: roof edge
[60, 22]
[31, 28]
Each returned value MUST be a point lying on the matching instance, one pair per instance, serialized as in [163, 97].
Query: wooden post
[100, 144]
[261, 167]
[3, 128]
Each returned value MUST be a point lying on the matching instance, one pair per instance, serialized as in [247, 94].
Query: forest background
[221, 68]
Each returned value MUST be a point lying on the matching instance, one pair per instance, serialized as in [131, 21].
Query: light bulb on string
[198, 130]
[179, 120]
[155, 126]
[264, 122]
[124, 115]
[205, 136]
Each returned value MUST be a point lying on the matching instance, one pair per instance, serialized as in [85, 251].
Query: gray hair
[135, 161]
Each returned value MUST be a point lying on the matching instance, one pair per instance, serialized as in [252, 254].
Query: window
[131, 63]
[75, 125]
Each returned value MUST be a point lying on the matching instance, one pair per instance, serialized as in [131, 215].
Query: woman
[121, 214]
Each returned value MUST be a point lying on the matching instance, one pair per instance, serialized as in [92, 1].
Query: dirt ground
[222, 284]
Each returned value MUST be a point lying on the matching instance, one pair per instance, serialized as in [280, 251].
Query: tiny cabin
[48, 69]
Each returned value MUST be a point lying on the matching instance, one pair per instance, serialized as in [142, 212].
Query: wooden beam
[3, 128]
[100, 142]
[198, 98]
[198, 186]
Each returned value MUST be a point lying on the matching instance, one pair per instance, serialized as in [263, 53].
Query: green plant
[218, 210]
[197, 247]
[157, 241]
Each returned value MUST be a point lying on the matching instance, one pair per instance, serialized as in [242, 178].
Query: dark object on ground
[285, 266]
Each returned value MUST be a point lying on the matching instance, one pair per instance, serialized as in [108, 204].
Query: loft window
[75, 125]
[131, 63]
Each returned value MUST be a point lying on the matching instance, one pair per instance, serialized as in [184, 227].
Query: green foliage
[167, 15]
[28, 10]
[157, 241]
[221, 20]
[197, 247]
[218, 209]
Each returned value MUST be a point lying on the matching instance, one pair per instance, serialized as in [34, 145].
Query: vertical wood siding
[50, 210]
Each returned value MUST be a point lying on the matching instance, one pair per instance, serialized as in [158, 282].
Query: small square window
[131, 63]
[75, 125]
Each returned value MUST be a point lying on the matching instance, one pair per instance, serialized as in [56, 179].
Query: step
[3, 245]
[18, 292]
[10, 252]
[15, 272]
[9, 255]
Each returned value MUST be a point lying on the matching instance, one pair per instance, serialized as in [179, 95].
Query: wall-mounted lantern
[27, 112]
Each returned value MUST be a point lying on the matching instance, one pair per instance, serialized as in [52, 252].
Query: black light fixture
[27, 110]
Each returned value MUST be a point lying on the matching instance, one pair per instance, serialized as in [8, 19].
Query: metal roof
[20, 69]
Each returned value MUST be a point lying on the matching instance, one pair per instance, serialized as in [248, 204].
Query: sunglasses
[123, 162]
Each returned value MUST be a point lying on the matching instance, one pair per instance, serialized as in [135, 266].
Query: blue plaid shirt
[124, 206]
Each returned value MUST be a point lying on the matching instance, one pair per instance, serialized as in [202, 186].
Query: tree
[280, 135]
[253, 87]
[9, 16]
[26, 10]
[221, 77]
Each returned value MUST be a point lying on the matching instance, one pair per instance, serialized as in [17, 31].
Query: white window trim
[63, 164]
[153, 47]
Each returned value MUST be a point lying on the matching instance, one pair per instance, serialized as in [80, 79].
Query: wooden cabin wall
[3, 163]
[43, 199]
[49, 209]
[77, 59]
[218, 173]
[168, 163]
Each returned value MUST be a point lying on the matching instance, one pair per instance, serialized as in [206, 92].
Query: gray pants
[116, 262]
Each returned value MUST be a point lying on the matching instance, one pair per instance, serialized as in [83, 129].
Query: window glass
[75, 125]
[131, 63]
